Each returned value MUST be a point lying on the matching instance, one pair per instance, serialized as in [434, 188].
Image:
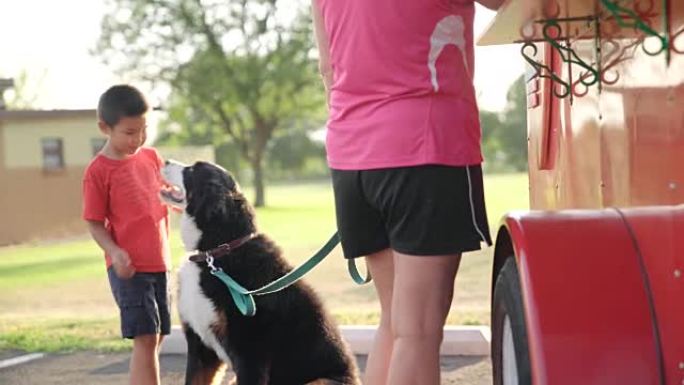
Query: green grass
[55, 296]
[62, 335]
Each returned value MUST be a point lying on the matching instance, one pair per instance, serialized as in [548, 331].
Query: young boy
[130, 223]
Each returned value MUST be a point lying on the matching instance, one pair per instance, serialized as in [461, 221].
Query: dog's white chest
[189, 232]
[196, 309]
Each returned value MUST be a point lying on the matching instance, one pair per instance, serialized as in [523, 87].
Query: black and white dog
[291, 340]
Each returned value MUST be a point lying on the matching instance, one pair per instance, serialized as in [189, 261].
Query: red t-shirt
[124, 194]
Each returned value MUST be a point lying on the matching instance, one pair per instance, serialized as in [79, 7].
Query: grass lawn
[55, 296]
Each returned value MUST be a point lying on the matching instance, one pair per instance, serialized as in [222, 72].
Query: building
[43, 155]
[42, 158]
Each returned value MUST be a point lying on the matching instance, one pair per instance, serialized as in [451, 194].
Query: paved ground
[6, 354]
[87, 368]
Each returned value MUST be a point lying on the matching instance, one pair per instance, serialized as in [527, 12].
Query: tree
[504, 135]
[491, 148]
[513, 134]
[239, 66]
[22, 94]
[295, 154]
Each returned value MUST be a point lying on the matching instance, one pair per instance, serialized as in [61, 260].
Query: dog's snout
[172, 162]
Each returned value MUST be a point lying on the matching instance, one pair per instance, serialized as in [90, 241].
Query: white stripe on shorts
[472, 206]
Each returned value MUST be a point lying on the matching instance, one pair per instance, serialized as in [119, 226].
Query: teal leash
[354, 272]
[244, 299]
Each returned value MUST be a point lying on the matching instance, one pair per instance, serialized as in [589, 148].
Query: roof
[44, 114]
[523, 20]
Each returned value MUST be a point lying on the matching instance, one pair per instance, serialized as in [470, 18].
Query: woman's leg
[381, 267]
[422, 294]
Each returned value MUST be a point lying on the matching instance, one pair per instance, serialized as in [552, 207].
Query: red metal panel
[622, 146]
[587, 311]
[599, 287]
[658, 232]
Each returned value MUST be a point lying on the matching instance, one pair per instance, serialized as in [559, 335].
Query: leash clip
[210, 263]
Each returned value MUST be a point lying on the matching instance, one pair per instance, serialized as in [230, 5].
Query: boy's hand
[122, 264]
[171, 192]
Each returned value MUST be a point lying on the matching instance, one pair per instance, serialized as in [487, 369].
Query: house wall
[39, 204]
[36, 205]
[23, 141]
[4, 200]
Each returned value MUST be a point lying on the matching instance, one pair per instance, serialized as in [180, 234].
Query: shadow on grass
[35, 272]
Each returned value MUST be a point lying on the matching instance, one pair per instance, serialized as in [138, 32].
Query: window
[96, 144]
[53, 154]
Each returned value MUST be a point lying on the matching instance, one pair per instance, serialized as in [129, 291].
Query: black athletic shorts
[421, 210]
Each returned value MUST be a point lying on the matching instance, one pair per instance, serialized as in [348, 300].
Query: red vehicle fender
[659, 232]
[588, 307]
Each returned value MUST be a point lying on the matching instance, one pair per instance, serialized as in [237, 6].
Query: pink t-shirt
[402, 92]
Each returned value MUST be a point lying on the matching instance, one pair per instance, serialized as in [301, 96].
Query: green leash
[244, 299]
[354, 272]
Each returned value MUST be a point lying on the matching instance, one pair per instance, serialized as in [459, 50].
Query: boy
[129, 222]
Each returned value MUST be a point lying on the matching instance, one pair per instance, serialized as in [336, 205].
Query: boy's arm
[324, 65]
[120, 259]
[491, 4]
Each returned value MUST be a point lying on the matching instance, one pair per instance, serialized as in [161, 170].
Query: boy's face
[127, 136]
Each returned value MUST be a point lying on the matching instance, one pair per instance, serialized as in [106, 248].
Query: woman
[403, 144]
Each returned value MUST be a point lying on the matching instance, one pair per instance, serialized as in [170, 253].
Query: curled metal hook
[568, 54]
[675, 39]
[561, 89]
[628, 18]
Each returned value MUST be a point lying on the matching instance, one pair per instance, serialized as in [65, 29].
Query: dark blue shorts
[143, 303]
[421, 210]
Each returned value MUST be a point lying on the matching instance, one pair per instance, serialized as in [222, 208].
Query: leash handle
[354, 272]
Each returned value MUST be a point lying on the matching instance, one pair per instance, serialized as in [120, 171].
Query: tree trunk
[262, 133]
[257, 169]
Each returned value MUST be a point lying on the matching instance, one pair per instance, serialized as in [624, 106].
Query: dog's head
[212, 202]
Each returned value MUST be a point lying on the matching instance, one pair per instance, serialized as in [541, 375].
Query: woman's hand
[491, 4]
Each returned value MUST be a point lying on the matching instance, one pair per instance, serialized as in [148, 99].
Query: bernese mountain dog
[291, 340]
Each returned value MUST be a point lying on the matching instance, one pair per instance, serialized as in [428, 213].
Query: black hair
[120, 101]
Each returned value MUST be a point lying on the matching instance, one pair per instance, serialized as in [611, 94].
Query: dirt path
[87, 368]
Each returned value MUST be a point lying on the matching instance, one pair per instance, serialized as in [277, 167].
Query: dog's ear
[208, 203]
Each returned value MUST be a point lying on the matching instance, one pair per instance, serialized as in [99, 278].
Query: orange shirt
[124, 194]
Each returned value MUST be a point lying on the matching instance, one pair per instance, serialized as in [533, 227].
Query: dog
[291, 340]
